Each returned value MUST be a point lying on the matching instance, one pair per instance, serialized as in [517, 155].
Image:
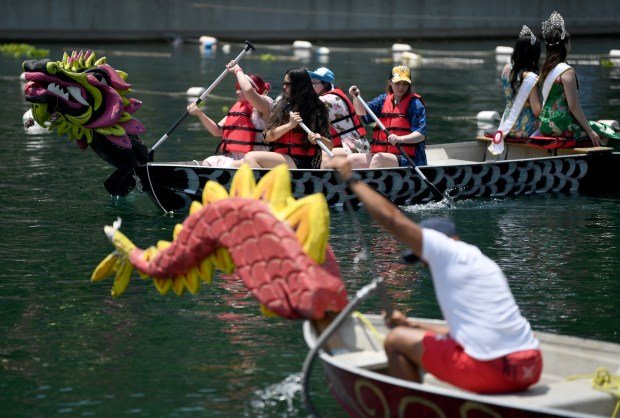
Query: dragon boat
[577, 379]
[463, 170]
[87, 100]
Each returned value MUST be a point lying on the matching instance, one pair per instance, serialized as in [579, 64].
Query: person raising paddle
[404, 114]
[290, 143]
[487, 345]
[241, 129]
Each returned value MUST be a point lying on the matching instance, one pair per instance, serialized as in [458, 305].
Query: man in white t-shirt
[487, 345]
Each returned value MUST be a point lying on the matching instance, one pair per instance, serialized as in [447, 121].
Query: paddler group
[541, 105]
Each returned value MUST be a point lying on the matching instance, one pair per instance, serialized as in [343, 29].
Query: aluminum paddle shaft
[203, 96]
[320, 143]
[434, 188]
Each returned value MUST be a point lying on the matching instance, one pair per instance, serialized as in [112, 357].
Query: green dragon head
[87, 100]
[80, 97]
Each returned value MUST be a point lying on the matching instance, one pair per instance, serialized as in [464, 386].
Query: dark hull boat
[355, 367]
[462, 170]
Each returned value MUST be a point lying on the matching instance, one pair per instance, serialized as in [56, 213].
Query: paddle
[203, 96]
[433, 188]
[320, 143]
[377, 285]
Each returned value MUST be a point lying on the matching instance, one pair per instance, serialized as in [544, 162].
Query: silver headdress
[525, 32]
[555, 21]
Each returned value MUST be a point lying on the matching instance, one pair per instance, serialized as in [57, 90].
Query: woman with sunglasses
[290, 144]
[242, 128]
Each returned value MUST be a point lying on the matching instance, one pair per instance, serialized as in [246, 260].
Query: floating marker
[207, 44]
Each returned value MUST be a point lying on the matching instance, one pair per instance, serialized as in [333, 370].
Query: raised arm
[383, 211]
[260, 102]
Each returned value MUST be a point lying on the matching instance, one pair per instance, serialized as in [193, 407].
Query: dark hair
[303, 99]
[388, 87]
[556, 51]
[525, 57]
[326, 86]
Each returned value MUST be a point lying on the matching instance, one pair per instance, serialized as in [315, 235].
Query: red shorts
[446, 360]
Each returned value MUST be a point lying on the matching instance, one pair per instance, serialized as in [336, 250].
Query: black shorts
[307, 162]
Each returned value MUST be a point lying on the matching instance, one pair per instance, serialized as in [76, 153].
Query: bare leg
[267, 159]
[327, 162]
[359, 160]
[384, 160]
[404, 350]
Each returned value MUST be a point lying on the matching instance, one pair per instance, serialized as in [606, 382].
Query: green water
[68, 349]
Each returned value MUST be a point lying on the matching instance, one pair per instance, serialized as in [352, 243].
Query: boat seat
[577, 150]
[587, 150]
[439, 157]
[551, 392]
[366, 359]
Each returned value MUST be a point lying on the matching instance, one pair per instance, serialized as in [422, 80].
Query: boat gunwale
[188, 164]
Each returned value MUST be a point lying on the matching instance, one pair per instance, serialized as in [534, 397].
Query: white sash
[510, 118]
[548, 83]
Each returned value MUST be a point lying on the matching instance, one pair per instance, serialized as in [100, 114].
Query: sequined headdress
[555, 22]
[525, 32]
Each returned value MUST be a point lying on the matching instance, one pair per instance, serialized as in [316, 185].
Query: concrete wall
[106, 20]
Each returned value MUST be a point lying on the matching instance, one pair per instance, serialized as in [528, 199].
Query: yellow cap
[401, 73]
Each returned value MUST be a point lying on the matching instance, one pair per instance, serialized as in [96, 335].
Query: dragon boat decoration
[277, 245]
[87, 100]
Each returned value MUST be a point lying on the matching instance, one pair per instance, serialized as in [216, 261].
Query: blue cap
[443, 225]
[323, 74]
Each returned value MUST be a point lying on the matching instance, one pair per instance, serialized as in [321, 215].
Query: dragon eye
[100, 78]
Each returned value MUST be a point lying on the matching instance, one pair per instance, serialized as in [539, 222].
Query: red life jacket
[239, 132]
[394, 118]
[355, 120]
[294, 143]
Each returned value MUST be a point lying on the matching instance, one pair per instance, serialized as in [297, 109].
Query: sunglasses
[286, 84]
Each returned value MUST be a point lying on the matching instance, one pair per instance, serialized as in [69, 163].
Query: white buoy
[195, 91]
[411, 59]
[226, 48]
[35, 129]
[614, 56]
[487, 120]
[322, 51]
[22, 76]
[613, 124]
[488, 116]
[208, 44]
[302, 50]
[302, 45]
[398, 50]
[401, 47]
[502, 54]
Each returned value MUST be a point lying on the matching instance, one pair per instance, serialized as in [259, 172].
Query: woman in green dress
[561, 114]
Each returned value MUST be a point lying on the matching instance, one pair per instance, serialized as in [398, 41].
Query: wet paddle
[433, 188]
[320, 143]
[203, 96]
